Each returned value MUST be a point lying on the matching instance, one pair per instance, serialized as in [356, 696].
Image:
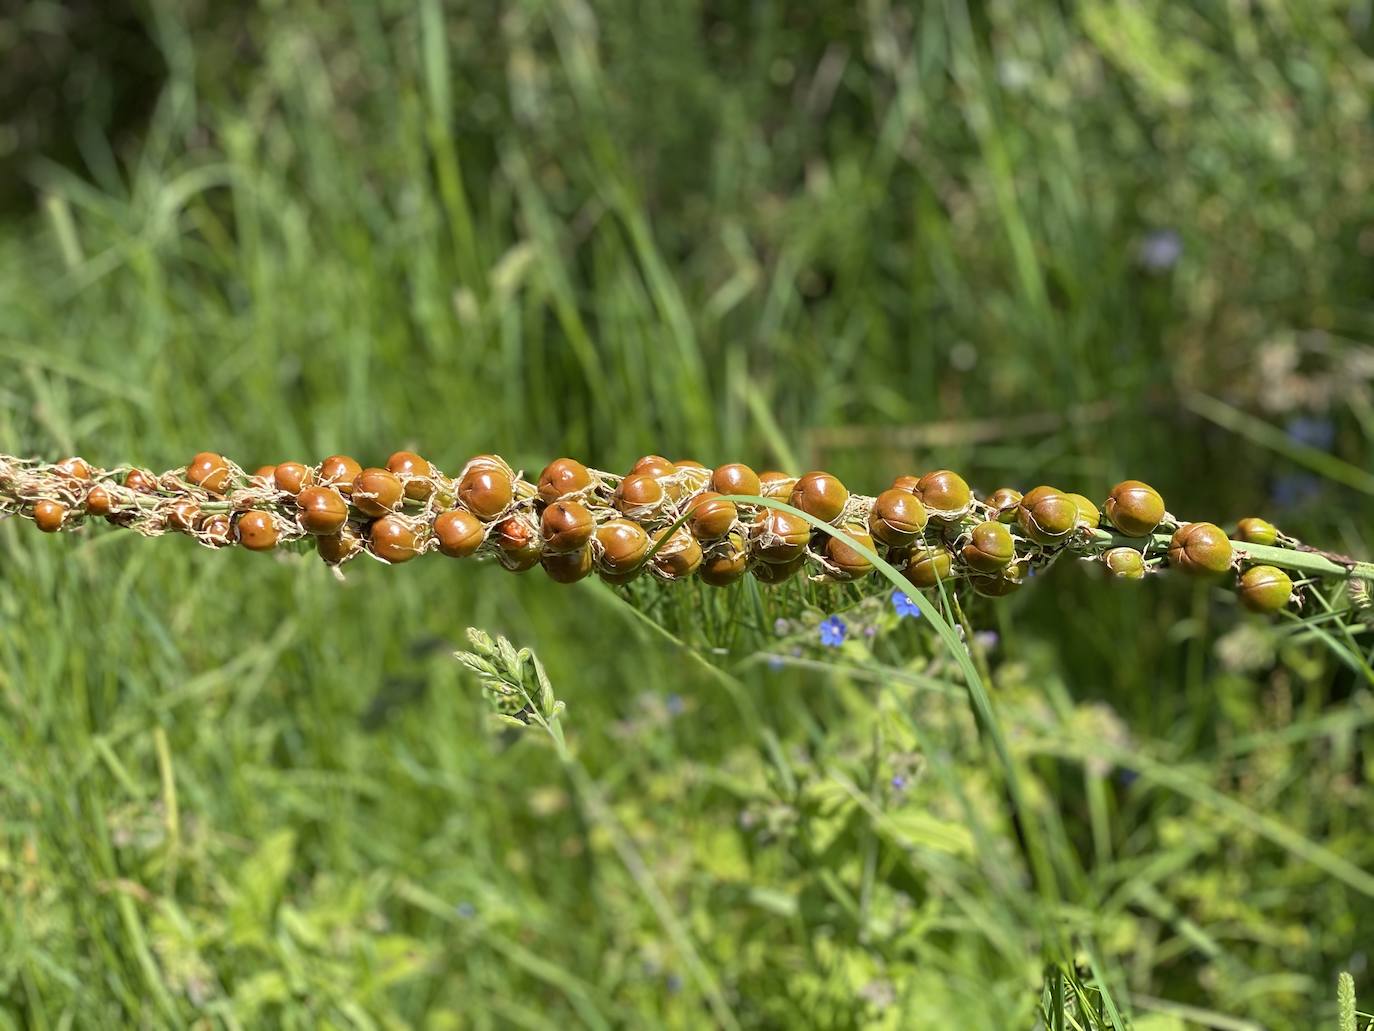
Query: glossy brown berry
[1201, 549]
[639, 496]
[339, 472]
[1088, 515]
[394, 539]
[736, 479]
[140, 481]
[216, 529]
[1125, 563]
[897, 517]
[712, 517]
[562, 477]
[265, 472]
[459, 533]
[321, 510]
[566, 526]
[98, 501]
[257, 531]
[780, 537]
[48, 515]
[821, 495]
[691, 476]
[566, 567]
[518, 543]
[1265, 589]
[677, 556]
[1134, 508]
[994, 586]
[414, 472]
[725, 563]
[773, 484]
[1004, 502]
[210, 471]
[485, 491]
[290, 477]
[621, 546]
[773, 573]
[845, 562]
[929, 566]
[1047, 516]
[75, 468]
[1254, 530]
[183, 516]
[653, 465]
[337, 548]
[990, 548]
[945, 495]
[377, 492]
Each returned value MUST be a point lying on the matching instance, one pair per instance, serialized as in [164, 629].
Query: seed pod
[210, 471]
[48, 515]
[1254, 530]
[1088, 515]
[736, 479]
[98, 501]
[945, 494]
[183, 515]
[75, 468]
[394, 539]
[821, 495]
[846, 563]
[1125, 563]
[929, 566]
[773, 484]
[216, 530]
[994, 586]
[680, 555]
[337, 548]
[290, 477]
[459, 533]
[140, 481]
[562, 477]
[639, 496]
[265, 472]
[910, 484]
[1047, 516]
[1135, 508]
[485, 491]
[321, 510]
[377, 492]
[653, 465]
[518, 543]
[1004, 501]
[773, 573]
[620, 549]
[726, 562]
[711, 516]
[691, 477]
[257, 530]
[897, 517]
[990, 548]
[1201, 549]
[780, 537]
[567, 526]
[567, 567]
[339, 472]
[1265, 589]
[414, 472]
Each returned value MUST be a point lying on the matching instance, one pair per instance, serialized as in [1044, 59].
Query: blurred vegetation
[1031, 242]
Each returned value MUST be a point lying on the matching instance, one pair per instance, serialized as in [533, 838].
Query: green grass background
[870, 236]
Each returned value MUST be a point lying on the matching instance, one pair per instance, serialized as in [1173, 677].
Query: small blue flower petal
[833, 632]
[905, 606]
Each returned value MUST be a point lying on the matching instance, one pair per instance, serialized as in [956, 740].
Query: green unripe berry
[1200, 549]
[1265, 589]
[1254, 530]
[1125, 563]
[1047, 516]
[1088, 515]
[946, 495]
[1004, 501]
[928, 566]
[990, 548]
[1135, 508]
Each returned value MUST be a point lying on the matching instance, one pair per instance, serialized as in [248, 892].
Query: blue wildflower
[904, 605]
[775, 662]
[898, 782]
[466, 910]
[1160, 250]
[1314, 432]
[833, 632]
